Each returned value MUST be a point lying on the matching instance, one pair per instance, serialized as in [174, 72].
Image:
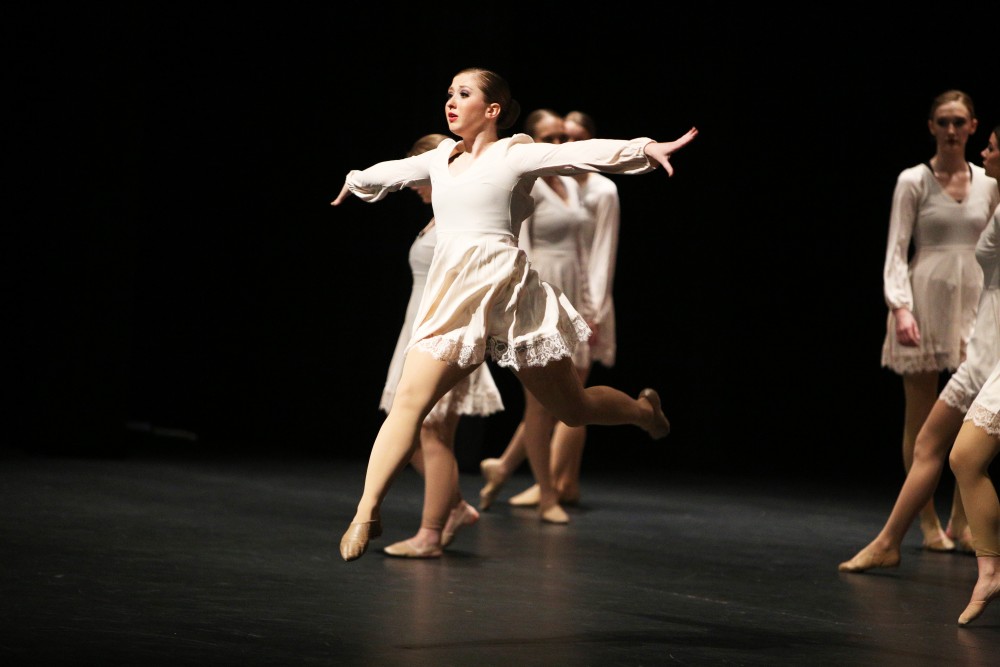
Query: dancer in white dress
[445, 510]
[600, 251]
[553, 239]
[940, 208]
[481, 296]
[978, 444]
[938, 433]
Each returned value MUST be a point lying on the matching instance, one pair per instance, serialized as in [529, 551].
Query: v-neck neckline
[451, 156]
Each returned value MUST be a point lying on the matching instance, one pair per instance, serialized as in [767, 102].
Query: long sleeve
[604, 252]
[988, 252]
[611, 156]
[378, 180]
[902, 220]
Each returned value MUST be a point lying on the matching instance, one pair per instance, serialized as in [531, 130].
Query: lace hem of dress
[985, 419]
[539, 351]
[451, 351]
[928, 363]
[956, 398]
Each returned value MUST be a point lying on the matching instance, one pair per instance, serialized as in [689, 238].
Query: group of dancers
[517, 264]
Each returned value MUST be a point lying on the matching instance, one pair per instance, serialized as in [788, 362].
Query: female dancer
[977, 444]
[445, 510]
[599, 254]
[945, 419]
[942, 206]
[481, 295]
[552, 237]
[978, 441]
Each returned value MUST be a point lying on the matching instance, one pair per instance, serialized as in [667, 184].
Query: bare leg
[567, 455]
[974, 451]
[958, 530]
[538, 426]
[929, 456]
[437, 441]
[496, 471]
[558, 388]
[423, 382]
[921, 391]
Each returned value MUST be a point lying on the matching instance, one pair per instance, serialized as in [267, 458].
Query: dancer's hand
[344, 193]
[660, 151]
[907, 331]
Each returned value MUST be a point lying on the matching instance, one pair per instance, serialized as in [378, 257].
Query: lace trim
[921, 364]
[956, 398]
[452, 351]
[539, 351]
[985, 419]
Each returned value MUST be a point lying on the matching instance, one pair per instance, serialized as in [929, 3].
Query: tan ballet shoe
[973, 611]
[406, 550]
[459, 517]
[495, 479]
[527, 498]
[661, 428]
[866, 559]
[939, 542]
[553, 514]
[354, 543]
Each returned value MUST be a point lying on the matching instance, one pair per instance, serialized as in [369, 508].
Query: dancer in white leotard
[481, 296]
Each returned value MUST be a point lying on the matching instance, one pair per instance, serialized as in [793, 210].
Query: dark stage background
[180, 283]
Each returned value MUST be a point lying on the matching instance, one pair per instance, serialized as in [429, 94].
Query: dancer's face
[467, 110]
[991, 157]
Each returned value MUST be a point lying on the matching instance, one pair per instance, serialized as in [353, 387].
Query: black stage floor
[210, 562]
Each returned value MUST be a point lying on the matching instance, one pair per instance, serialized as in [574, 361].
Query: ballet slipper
[870, 557]
[527, 498]
[553, 514]
[661, 425]
[987, 588]
[406, 549]
[938, 542]
[354, 543]
[973, 611]
[461, 516]
[495, 479]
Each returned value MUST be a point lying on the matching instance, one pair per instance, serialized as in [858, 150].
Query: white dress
[477, 394]
[552, 237]
[600, 244]
[983, 352]
[942, 282]
[481, 295]
[985, 410]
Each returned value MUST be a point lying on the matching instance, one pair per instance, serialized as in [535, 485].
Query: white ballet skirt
[476, 394]
[985, 410]
[552, 237]
[481, 294]
[942, 282]
[983, 351]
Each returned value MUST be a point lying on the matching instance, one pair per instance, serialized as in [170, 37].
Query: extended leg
[921, 391]
[930, 454]
[974, 451]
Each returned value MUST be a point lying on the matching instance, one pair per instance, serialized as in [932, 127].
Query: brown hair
[537, 116]
[497, 91]
[425, 143]
[953, 95]
[584, 120]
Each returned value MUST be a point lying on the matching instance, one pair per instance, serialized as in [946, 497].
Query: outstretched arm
[660, 151]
